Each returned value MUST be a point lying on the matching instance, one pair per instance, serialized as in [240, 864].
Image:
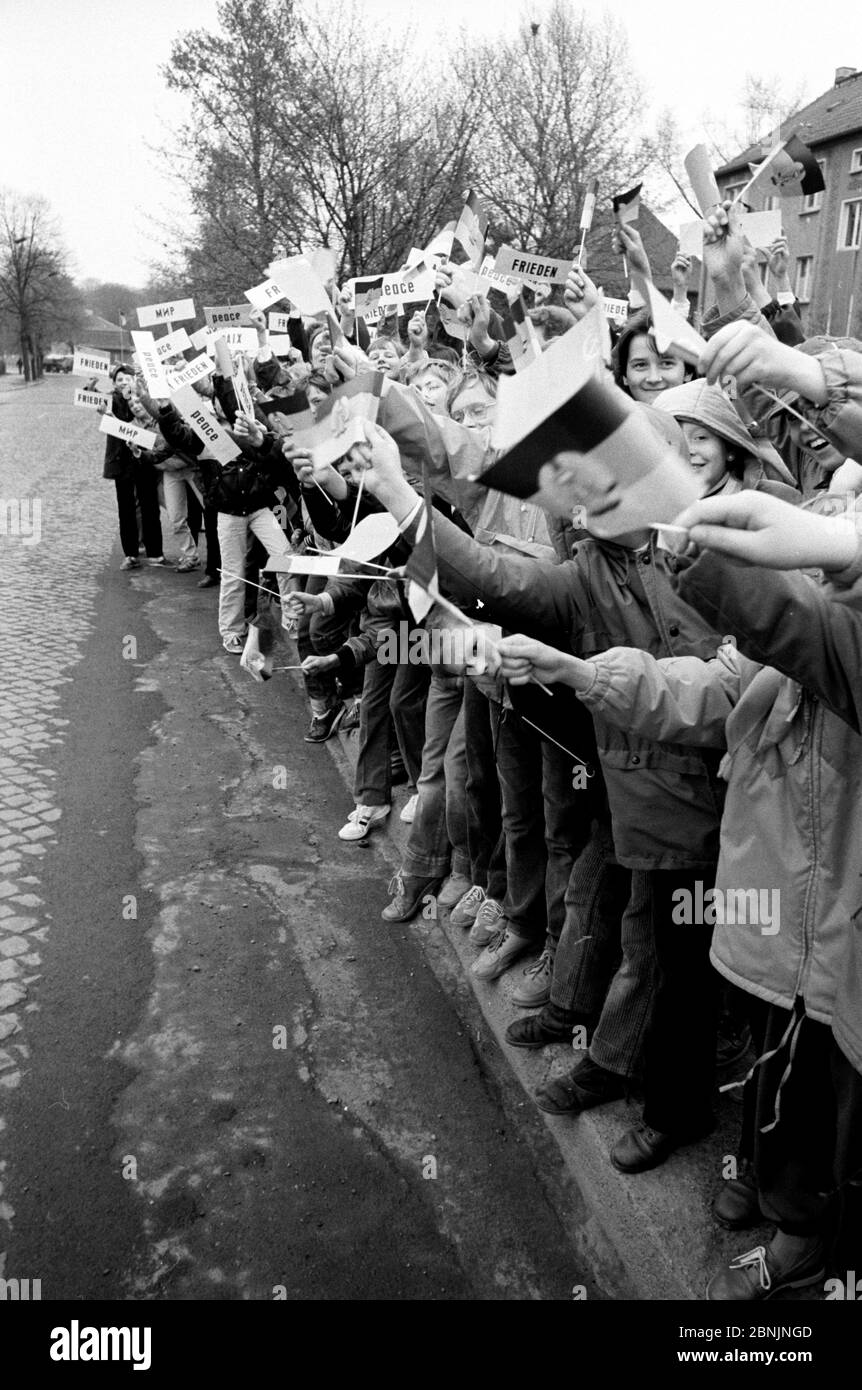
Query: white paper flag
[172, 309]
[87, 363]
[124, 429]
[205, 425]
[152, 368]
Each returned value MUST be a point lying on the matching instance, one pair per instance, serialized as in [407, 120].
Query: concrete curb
[657, 1225]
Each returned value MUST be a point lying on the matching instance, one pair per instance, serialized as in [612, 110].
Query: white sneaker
[234, 645]
[487, 923]
[464, 912]
[409, 811]
[363, 819]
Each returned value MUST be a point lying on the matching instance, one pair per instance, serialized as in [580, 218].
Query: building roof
[101, 333]
[836, 113]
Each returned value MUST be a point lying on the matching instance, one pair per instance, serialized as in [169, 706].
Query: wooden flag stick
[358, 499]
[581, 247]
[764, 390]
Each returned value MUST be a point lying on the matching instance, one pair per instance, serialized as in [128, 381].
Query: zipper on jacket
[814, 734]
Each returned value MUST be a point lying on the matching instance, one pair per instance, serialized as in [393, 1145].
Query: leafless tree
[38, 300]
[556, 106]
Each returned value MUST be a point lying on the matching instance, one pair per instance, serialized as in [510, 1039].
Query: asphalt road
[221, 1074]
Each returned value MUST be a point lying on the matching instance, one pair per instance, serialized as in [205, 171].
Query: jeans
[206, 518]
[139, 489]
[547, 824]
[393, 702]
[604, 968]
[486, 842]
[438, 835]
[176, 506]
[233, 535]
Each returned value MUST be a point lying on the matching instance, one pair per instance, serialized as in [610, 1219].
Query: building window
[804, 266]
[813, 202]
[771, 202]
[732, 190]
[856, 162]
[850, 225]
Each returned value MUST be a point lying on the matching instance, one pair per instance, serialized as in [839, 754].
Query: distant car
[56, 363]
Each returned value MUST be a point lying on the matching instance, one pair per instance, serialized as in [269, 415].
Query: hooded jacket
[790, 922]
[757, 464]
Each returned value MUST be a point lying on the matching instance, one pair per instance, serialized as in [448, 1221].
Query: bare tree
[308, 130]
[37, 298]
[556, 107]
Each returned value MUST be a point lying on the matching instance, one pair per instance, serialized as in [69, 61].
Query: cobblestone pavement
[48, 611]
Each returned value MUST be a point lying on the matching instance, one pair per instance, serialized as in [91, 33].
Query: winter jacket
[244, 485]
[790, 833]
[120, 462]
[665, 797]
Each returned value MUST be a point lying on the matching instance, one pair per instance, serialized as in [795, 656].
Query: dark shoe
[642, 1148]
[408, 893]
[586, 1086]
[351, 717]
[758, 1274]
[209, 581]
[323, 726]
[534, 1031]
[736, 1206]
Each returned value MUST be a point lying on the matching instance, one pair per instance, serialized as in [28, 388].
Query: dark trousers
[140, 489]
[679, 1063]
[546, 822]
[208, 518]
[808, 1166]
[486, 843]
[392, 708]
[605, 968]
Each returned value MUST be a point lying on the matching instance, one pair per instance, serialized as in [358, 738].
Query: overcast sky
[83, 100]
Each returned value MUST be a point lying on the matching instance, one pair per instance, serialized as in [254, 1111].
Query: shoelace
[491, 910]
[757, 1256]
[543, 963]
[475, 895]
[496, 940]
[396, 886]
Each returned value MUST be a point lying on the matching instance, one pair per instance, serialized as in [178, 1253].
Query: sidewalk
[656, 1226]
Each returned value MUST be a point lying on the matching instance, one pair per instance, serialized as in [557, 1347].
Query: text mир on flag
[130, 433]
[168, 312]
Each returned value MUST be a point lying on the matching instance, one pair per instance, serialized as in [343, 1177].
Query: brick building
[824, 230]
